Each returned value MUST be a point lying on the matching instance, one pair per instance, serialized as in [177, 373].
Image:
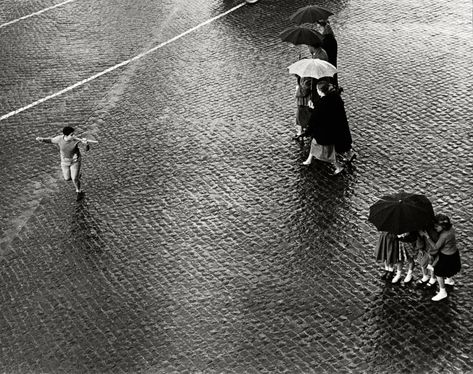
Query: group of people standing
[434, 250]
[321, 115]
[321, 111]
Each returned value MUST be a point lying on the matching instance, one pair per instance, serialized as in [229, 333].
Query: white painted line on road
[35, 13]
[137, 57]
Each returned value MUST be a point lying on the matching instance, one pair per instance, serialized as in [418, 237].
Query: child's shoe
[397, 277]
[442, 294]
[424, 279]
[408, 277]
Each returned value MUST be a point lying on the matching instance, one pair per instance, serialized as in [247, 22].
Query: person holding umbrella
[313, 14]
[303, 111]
[448, 263]
[329, 44]
[323, 128]
[395, 215]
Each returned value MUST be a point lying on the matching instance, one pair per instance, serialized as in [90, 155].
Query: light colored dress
[323, 152]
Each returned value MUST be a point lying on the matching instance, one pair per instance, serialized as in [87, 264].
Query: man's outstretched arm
[44, 140]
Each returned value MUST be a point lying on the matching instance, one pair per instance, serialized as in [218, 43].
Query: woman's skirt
[406, 251]
[387, 249]
[447, 265]
[323, 152]
[303, 116]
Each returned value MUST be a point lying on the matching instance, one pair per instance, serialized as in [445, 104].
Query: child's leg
[442, 294]
[432, 277]
[425, 275]
[410, 267]
[397, 277]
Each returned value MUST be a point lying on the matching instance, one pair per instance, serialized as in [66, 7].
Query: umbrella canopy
[301, 35]
[312, 67]
[310, 14]
[402, 212]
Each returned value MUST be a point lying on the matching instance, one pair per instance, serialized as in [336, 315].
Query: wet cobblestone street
[202, 244]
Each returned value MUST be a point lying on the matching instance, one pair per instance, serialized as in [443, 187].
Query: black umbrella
[402, 212]
[301, 35]
[310, 14]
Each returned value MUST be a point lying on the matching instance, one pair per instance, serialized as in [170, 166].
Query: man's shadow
[86, 230]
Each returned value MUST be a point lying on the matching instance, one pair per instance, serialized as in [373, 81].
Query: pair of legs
[71, 171]
[302, 120]
[426, 275]
[338, 167]
[410, 267]
[324, 153]
[442, 281]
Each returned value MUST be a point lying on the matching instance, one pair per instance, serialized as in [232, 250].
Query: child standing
[445, 248]
[387, 252]
[407, 246]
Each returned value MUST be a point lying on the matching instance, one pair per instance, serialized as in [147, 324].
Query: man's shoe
[449, 281]
[306, 163]
[442, 294]
[80, 195]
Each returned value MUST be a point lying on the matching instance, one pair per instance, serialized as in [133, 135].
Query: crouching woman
[445, 248]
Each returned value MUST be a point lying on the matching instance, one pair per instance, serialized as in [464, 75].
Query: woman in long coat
[324, 127]
[330, 45]
[343, 139]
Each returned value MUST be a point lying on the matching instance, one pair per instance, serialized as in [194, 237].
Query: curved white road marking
[35, 13]
[137, 57]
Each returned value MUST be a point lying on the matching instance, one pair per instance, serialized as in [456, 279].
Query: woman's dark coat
[328, 123]
[329, 43]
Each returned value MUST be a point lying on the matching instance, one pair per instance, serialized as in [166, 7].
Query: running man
[70, 155]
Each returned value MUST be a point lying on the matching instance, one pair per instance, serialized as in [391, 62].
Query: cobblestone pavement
[202, 244]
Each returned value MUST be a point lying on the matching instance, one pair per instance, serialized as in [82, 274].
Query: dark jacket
[320, 123]
[343, 139]
[328, 123]
[329, 43]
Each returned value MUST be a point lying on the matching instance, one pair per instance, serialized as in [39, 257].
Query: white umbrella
[312, 67]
